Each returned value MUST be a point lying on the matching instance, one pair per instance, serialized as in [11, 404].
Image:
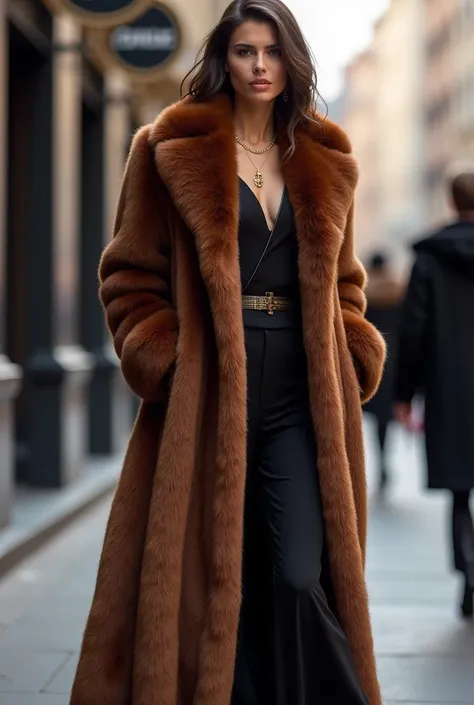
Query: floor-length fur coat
[163, 623]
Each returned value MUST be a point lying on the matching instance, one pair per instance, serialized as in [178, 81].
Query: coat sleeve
[366, 344]
[412, 334]
[134, 277]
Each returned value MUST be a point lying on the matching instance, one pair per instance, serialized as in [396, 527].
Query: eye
[244, 52]
[275, 52]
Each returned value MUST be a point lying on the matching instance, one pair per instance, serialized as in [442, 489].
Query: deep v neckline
[270, 229]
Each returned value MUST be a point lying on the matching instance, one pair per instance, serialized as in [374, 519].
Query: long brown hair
[210, 76]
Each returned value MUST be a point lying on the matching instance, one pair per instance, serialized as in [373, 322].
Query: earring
[285, 95]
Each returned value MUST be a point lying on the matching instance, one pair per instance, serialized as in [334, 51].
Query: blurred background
[77, 78]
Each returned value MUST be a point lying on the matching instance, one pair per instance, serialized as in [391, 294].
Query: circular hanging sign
[144, 45]
[99, 13]
[146, 42]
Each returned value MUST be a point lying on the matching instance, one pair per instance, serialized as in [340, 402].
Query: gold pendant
[258, 179]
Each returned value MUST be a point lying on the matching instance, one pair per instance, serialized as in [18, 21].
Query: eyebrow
[251, 46]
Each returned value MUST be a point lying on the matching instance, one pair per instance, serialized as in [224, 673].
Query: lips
[260, 83]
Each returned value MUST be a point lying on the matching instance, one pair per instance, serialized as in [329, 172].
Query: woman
[250, 400]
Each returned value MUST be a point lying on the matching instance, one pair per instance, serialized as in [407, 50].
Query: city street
[425, 652]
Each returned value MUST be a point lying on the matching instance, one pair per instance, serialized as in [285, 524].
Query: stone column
[10, 374]
[57, 369]
[105, 128]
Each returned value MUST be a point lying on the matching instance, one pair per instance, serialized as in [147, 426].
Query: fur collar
[195, 154]
[189, 118]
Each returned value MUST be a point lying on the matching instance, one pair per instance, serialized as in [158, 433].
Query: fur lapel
[195, 154]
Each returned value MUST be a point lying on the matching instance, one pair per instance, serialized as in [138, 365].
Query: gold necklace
[256, 151]
[258, 177]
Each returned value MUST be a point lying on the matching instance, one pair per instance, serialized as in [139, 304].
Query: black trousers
[463, 536]
[291, 648]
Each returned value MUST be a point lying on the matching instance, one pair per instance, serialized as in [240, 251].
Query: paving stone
[409, 592]
[33, 699]
[26, 671]
[427, 679]
[411, 631]
[57, 610]
[62, 681]
[43, 635]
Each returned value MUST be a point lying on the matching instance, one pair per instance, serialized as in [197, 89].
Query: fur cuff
[367, 347]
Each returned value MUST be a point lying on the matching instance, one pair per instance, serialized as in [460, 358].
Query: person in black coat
[384, 297]
[436, 358]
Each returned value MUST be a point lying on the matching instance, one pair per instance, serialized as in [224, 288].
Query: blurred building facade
[421, 112]
[360, 115]
[441, 108]
[384, 115]
[72, 92]
[464, 63]
[398, 49]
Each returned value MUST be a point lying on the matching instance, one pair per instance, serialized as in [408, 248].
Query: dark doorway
[29, 214]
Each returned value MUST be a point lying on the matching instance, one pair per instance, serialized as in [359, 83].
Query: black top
[278, 271]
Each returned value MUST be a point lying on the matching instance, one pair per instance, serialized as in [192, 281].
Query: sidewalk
[425, 653]
[38, 514]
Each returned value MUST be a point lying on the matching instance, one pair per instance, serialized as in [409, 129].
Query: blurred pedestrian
[233, 565]
[384, 296]
[436, 358]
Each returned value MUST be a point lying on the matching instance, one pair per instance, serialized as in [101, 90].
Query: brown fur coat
[163, 623]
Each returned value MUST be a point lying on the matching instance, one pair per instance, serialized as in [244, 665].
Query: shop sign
[142, 46]
[147, 42]
[99, 13]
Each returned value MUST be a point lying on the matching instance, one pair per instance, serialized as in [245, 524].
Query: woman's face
[254, 60]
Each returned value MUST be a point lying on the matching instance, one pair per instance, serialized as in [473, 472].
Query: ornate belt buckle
[271, 303]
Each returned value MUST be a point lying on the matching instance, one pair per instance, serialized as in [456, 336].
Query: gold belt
[268, 303]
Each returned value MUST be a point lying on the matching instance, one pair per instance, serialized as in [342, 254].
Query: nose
[260, 66]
